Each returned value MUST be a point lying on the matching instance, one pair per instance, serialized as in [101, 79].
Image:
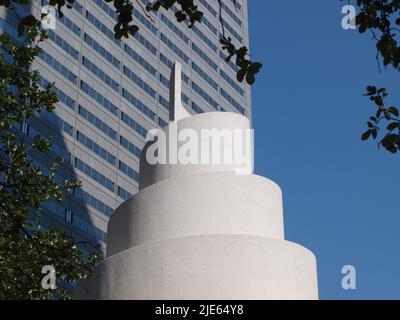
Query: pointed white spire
[176, 110]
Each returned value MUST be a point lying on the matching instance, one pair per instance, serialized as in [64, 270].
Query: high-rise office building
[112, 92]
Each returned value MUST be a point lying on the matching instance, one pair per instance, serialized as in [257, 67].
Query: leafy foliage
[387, 117]
[24, 246]
[188, 11]
[382, 18]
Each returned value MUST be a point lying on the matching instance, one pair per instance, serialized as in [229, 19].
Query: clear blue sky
[341, 195]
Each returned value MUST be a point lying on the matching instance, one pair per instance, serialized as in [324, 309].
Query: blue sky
[340, 194]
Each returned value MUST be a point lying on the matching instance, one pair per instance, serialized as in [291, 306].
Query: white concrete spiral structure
[201, 231]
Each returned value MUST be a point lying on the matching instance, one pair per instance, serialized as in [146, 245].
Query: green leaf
[366, 135]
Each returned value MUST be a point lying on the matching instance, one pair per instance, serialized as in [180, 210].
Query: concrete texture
[198, 204]
[150, 174]
[201, 232]
[206, 268]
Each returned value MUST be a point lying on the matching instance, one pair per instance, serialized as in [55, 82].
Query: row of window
[100, 26]
[232, 31]
[204, 57]
[60, 68]
[94, 174]
[68, 101]
[205, 39]
[142, 61]
[57, 122]
[152, 70]
[129, 146]
[91, 145]
[232, 82]
[56, 65]
[63, 44]
[94, 147]
[162, 123]
[101, 50]
[138, 104]
[55, 148]
[139, 59]
[70, 25]
[99, 73]
[174, 28]
[128, 171]
[231, 14]
[196, 108]
[104, 102]
[91, 118]
[204, 95]
[88, 228]
[133, 124]
[205, 76]
[227, 10]
[174, 48]
[145, 21]
[232, 101]
[122, 193]
[140, 83]
[93, 201]
[111, 12]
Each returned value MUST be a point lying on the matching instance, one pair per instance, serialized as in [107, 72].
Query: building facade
[112, 92]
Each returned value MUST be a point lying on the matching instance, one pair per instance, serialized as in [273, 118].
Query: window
[204, 56]
[139, 59]
[205, 76]
[232, 83]
[63, 97]
[204, 95]
[123, 193]
[142, 84]
[166, 61]
[129, 171]
[94, 174]
[60, 68]
[145, 43]
[100, 26]
[174, 48]
[100, 74]
[205, 39]
[94, 147]
[57, 122]
[63, 44]
[103, 52]
[134, 125]
[129, 146]
[164, 102]
[138, 104]
[196, 108]
[93, 202]
[99, 98]
[90, 117]
[231, 14]
[145, 21]
[174, 28]
[232, 101]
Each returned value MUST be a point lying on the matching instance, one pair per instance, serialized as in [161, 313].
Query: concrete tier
[214, 203]
[220, 121]
[206, 267]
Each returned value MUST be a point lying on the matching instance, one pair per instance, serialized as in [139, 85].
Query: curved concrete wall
[201, 232]
[198, 204]
[150, 174]
[207, 267]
